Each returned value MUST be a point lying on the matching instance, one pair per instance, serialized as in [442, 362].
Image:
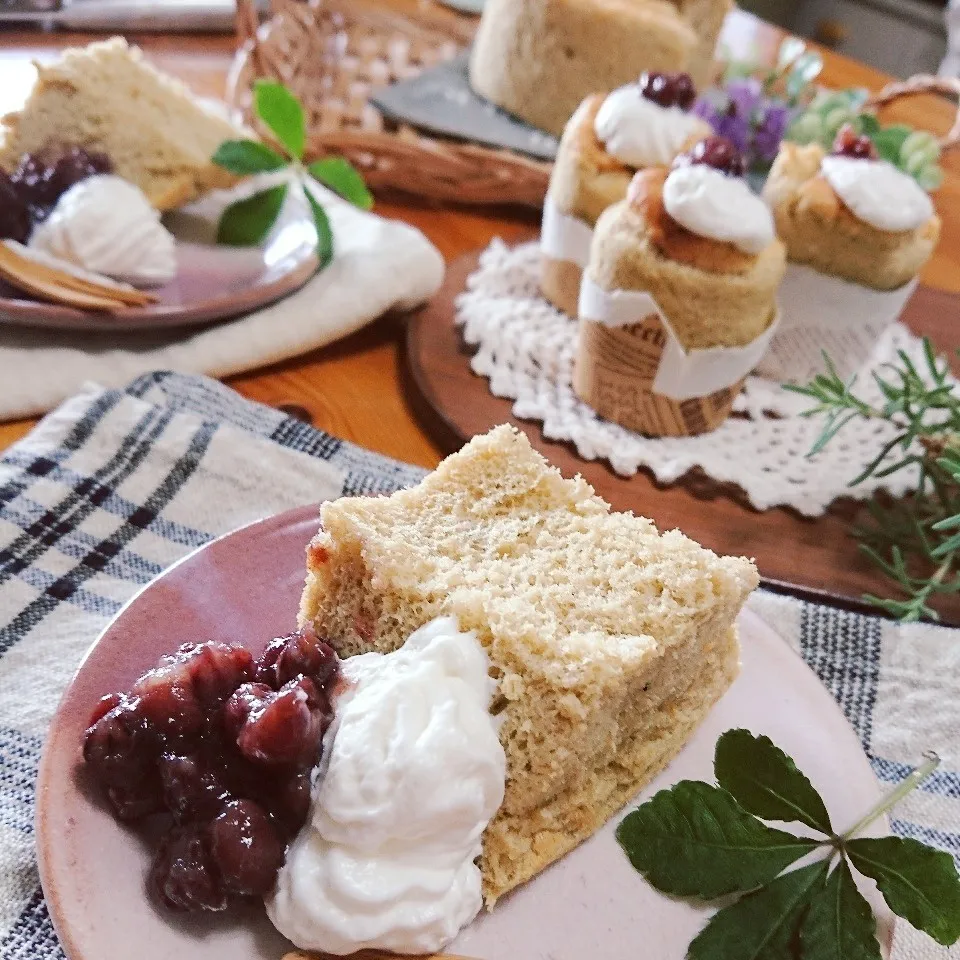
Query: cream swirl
[106, 225]
[412, 772]
[878, 193]
[641, 133]
[714, 205]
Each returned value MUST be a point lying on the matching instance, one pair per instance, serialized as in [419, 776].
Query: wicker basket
[332, 53]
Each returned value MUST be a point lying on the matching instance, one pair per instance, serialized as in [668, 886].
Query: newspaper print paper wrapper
[631, 368]
[565, 250]
[820, 313]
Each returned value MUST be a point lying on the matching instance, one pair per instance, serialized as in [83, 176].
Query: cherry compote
[668, 89]
[40, 179]
[717, 152]
[849, 143]
[222, 745]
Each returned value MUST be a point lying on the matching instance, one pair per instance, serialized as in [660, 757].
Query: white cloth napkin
[379, 265]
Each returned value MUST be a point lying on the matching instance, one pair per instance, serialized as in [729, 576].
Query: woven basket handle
[924, 83]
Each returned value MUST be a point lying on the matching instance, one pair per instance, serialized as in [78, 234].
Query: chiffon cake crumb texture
[609, 640]
[106, 97]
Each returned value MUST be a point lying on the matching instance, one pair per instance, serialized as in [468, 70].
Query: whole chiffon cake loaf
[609, 640]
[538, 59]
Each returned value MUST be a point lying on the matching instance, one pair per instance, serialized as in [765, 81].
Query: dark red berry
[717, 152]
[177, 695]
[184, 874]
[15, 223]
[668, 89]
[246, 848]
[193, 789]
[121, 747]
[138, 801]
[284, 729]
[685, 92]
[848, 143]
[300, 654]
[75, 165]
[290, 804]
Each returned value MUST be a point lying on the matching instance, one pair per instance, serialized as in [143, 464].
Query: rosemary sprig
[915, 541]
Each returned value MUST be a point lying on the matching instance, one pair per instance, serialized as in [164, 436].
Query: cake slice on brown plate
[610, 640]
[106, 98]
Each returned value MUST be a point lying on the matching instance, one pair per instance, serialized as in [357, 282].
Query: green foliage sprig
[915, 541]
[710, 842]
[248, 221]
[915, 152]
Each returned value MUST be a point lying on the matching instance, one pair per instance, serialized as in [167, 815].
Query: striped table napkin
[115, 485]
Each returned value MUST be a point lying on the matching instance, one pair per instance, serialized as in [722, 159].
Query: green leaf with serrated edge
[766, 782]
[246, 222]
[342, 177]
[280, 110]
[762, 925]
[694, 840]
[918, 882]
[839, 924]
[324, 233]
[244, 157]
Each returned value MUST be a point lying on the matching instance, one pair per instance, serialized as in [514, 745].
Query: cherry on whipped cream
[717, 152]
[848, 143]
[222, 744]
[668, 89]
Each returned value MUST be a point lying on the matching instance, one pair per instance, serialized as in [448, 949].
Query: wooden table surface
[355, 388]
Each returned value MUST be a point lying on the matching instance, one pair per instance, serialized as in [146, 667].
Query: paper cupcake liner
[632, 369]
[820, 313]
[565, 248]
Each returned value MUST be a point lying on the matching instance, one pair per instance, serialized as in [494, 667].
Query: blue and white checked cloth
[115, 485]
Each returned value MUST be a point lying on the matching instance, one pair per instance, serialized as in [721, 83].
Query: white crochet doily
[525, 347]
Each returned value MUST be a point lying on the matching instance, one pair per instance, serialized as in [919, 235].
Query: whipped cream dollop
[412, 773]
[878, 193]
[717, 206]
[105, 224]
[641, 133]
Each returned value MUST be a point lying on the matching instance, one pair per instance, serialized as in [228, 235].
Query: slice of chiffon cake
[610, 641]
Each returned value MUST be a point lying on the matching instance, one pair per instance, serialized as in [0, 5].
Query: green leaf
[766, 782]
[889, 140]
[694, 840]
[246, 222]
[762, 925]
[918, 882]
[342, 177]
[324, 233]
[280, 110]
[839, 924]
[869, 124]
[247, 156]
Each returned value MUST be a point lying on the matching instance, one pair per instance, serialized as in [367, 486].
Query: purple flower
[745, 95]
[770, 131]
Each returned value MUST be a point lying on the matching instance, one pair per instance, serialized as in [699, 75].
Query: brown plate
[213, 282]
[813, 557]
[591, 904]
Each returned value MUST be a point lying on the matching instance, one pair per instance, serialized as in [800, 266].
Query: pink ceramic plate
[245, 587]
[213, 282]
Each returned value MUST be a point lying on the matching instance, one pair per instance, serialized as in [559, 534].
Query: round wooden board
[814, 558]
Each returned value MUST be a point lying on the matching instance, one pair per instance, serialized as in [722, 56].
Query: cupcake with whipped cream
[608, 139]
[679, 299]
[858, 232]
